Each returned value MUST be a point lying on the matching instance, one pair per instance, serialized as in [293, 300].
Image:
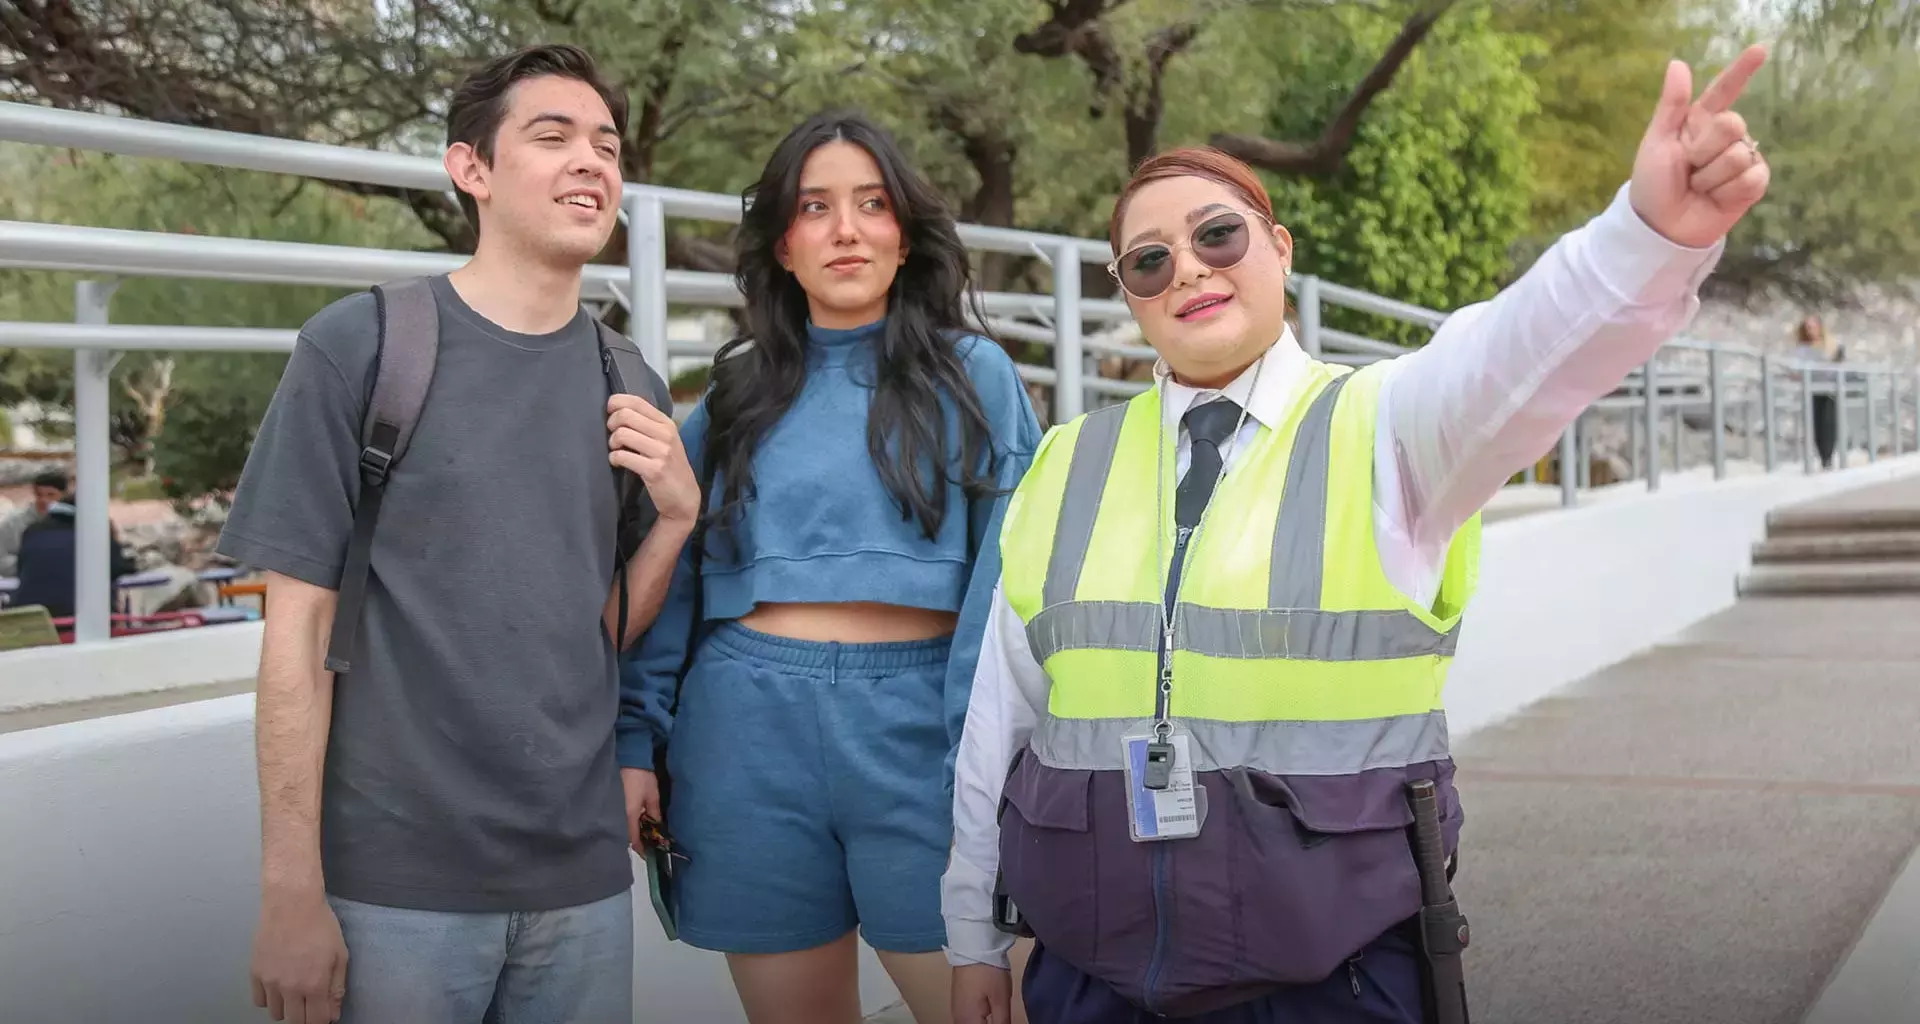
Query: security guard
[1228, 606]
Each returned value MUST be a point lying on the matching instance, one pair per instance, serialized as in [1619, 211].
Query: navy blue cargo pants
[1379, 986]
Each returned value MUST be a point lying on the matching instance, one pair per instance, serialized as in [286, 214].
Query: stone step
[1794, 548]
[1785, 521]
[1829, 578]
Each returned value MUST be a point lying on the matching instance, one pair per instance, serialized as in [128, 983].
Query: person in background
[443, 835]
[863, 439]
[1813, 346]
[46, 559]
[1214, 667]
[48, 487]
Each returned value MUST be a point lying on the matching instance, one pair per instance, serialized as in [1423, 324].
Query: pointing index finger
[1732, 81]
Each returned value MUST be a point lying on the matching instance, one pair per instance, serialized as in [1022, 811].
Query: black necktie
[1208, 426]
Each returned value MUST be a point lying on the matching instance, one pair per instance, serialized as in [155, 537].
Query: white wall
[1564, 594]
[130, 664]
[129, 845]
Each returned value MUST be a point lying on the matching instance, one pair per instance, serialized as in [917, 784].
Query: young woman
[1227, 607]
[860, 441]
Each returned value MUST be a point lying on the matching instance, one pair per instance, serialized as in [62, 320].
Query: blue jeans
[568, 966]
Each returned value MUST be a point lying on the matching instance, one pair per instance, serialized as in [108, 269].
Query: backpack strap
[628, 374]
[409, 346]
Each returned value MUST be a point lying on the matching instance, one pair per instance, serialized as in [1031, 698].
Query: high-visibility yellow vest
[1306, 680]
[1285, 615]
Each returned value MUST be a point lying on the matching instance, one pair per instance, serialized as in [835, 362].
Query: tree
[1435, 187]
[1593, 62]
[1834, 115]
[149, 390]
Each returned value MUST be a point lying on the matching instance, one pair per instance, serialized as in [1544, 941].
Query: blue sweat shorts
[809, 793]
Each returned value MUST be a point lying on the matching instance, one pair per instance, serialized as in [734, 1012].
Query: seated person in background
[47, 489]
[46, 561]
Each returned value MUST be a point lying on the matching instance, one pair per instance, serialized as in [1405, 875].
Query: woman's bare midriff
[849, 622]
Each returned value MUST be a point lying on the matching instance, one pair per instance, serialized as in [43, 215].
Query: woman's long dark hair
[758, 374]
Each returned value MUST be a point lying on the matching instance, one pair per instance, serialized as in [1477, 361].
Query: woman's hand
[982, 994]
[1698, 171]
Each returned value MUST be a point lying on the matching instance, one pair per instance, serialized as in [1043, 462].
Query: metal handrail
[645, 287]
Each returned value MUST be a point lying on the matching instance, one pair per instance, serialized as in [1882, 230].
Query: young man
[448, 812]
[48, 487]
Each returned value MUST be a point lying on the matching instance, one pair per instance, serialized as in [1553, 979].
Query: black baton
[1443, 931]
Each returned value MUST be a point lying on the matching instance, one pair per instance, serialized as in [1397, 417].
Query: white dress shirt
[1490, 393]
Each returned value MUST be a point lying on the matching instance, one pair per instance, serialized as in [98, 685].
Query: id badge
[1171, 811]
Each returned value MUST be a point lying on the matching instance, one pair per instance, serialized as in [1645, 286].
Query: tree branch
[1325, 154]
[1143, 117]
[1075, 29]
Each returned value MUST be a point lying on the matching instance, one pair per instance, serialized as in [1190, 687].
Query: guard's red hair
[1192, 161]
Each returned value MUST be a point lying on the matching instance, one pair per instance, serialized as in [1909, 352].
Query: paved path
[1700, 833]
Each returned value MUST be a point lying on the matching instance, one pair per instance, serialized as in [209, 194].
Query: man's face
[553, 191]
[43, 497]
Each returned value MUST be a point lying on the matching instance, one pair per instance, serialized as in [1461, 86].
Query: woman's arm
[1008, 694]
[1015, 434]
[648, 678]
[1500, 380]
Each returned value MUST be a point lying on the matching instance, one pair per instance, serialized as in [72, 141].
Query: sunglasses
[1220, 242]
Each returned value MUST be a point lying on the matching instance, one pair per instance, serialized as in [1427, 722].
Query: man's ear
[468, 171]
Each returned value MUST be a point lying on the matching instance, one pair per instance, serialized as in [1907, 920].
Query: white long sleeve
[1492, 391]
[1009, 693]
[1500, 380]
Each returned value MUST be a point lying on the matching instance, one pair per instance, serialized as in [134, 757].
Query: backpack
[409, 346]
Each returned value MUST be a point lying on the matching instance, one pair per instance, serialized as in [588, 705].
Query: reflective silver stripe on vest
[1292, 626]
[1300, 537]
[1093, 454]
[1279, 748]
[1302, 634]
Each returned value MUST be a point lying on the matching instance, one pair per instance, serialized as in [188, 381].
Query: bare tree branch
[1325, 154]
[1075, 29]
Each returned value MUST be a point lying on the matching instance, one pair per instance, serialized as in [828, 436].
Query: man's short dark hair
[54, 478]
[480, 101]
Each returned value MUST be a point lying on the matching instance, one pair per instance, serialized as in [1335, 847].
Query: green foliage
[1835, 113]
[194, 391]
[215, 410]
[1436, 187]
[1597, 74]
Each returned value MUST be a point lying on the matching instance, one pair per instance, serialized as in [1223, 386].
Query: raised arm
[1500, 380]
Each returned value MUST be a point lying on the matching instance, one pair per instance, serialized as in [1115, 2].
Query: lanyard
[1165, 568]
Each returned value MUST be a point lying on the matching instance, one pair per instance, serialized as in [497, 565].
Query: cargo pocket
[1326, 864]
[1047, 856]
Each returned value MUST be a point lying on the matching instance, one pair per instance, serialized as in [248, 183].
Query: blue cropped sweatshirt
[822, 527]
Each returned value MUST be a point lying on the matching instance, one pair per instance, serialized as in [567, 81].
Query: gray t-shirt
[470, 765]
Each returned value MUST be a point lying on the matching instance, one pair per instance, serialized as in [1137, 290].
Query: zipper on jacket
[1162, 900]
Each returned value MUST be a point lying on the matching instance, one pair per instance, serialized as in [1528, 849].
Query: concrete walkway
[1701, 833]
